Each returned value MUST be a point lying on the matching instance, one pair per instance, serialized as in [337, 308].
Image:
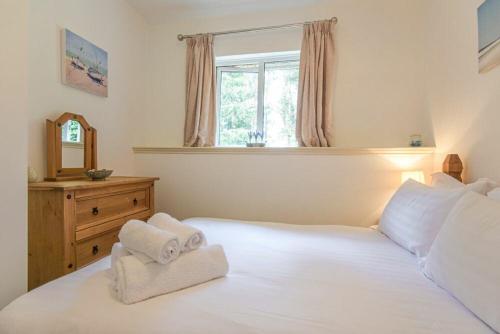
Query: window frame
[227, 64]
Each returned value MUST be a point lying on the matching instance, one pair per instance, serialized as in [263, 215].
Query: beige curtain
[315, 98]
[199, 129]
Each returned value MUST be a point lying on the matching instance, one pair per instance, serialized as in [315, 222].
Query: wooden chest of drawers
[74, 223]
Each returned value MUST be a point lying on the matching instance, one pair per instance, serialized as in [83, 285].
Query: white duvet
[282, 279]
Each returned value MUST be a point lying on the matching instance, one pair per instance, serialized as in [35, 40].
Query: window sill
[285, 150]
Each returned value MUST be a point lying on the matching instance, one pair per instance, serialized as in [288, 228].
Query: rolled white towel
[119, 251]
[190, 238]
[136, 281]
[139, 237]
[142, 257]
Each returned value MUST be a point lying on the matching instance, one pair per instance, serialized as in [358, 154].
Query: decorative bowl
[99, 174]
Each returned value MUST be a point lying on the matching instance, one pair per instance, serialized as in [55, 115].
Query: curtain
[200, 124]
[315, 97]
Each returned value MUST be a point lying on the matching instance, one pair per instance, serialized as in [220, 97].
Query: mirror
[71, 148]
[73, 145]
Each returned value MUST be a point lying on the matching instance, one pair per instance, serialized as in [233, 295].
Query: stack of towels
[161, 256]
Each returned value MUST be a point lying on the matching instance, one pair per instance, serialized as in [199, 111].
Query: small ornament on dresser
[256, 139]
[416, 141]
[32, 175]
[98, 174]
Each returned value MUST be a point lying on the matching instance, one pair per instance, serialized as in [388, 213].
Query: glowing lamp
[416, 175]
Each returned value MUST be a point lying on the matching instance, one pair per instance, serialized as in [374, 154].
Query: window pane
[280, 102]
[238, 107]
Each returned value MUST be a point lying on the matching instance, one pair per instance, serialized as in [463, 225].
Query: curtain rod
[182, 37]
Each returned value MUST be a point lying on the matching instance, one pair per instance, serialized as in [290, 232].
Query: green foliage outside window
[74, 131]
[280, 106]
[239, 103]
[238, 107]
[71, 132]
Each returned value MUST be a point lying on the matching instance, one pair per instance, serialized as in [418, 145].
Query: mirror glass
[73, 148]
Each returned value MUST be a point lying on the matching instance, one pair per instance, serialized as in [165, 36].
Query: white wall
[379, 102]
[117, 28]
[295, 189]
[379, 95]
[13, 94]
[464, 105]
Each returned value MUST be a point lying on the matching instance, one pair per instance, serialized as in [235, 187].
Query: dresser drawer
[84, 232]
[96, 248]
[98, 210]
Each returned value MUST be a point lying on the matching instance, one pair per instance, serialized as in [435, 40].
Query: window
[257, 93]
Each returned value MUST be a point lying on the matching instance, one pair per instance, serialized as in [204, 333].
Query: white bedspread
[282, 279]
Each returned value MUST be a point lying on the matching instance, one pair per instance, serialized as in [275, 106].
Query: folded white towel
[118, 251]
[135, 281]
[139, 237]
[190, 238]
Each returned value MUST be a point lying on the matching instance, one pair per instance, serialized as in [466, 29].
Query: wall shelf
[286, 150]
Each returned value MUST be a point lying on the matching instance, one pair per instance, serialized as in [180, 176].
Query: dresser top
[87, 183]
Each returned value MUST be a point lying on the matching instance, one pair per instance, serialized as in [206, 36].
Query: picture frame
[84, 65]
[489, 35]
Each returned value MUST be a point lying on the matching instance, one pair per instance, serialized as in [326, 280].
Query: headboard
[453, 166]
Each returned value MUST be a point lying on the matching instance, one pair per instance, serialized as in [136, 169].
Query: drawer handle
[135, 201]
[95, 211]
[95, 249]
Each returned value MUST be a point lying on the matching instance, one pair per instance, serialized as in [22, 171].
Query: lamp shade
[416, 175]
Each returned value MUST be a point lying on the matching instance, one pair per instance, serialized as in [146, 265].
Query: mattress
[282, 279]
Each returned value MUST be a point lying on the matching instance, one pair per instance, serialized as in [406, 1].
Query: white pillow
[494, 194]
[443, 180]
[481, 186]
[465, 257]
[416, 213]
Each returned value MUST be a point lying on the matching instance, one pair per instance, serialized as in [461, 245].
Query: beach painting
[489, 35]
[84, 65]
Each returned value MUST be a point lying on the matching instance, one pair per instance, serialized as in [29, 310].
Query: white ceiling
[158, 10]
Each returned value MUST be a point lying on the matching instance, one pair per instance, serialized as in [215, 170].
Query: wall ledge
[285, 150]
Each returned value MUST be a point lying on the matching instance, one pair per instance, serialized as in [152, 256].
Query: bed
[282, 279]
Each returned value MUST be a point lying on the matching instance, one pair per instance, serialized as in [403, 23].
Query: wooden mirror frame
[55, 170]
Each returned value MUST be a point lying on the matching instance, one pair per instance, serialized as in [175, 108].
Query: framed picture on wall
[84, 65]
[489, 35]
